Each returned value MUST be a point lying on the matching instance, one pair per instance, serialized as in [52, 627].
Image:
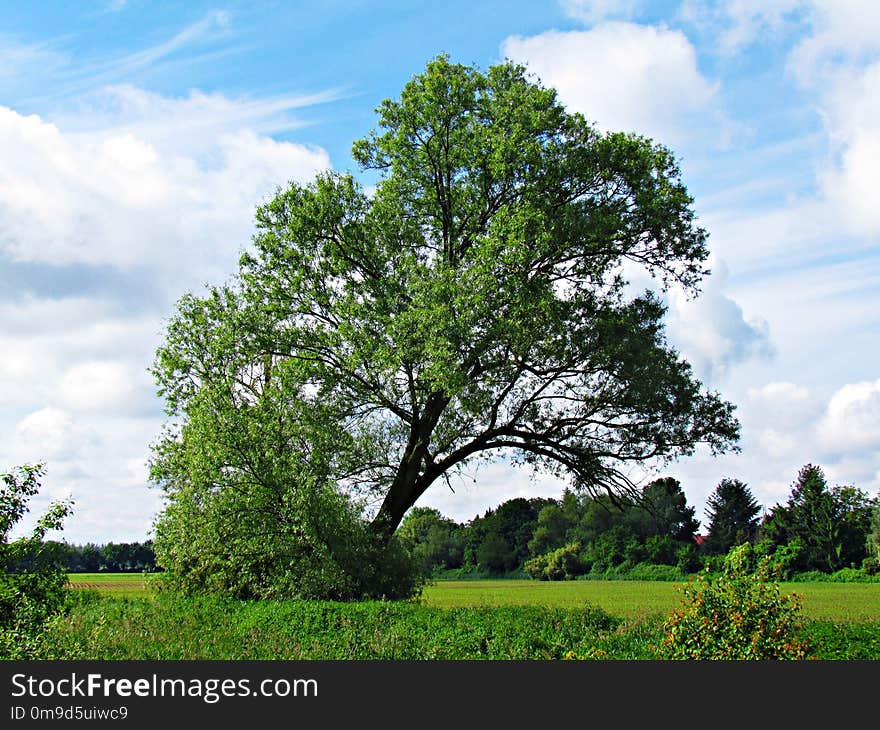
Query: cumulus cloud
[108, 386]
[793, 425]
[623, 76]
[851, 110]
[49, 433]
[852, 420]
[107, 215]
[712, 332]
[836, 59]
[136, 194]
[843, 32]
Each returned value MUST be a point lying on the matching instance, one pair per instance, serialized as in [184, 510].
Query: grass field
[121, 585]
[627, 599]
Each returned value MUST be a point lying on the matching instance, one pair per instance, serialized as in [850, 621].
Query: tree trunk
[410, 482]
[407, 487]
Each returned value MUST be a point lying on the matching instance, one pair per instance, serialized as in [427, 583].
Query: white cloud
[623, 76]
[836, 60]
[106, 386]
[843, 32]
[142, 196]
[131, 195]
[851, 110]
[852, 421]
[712, 332]
[48, 433]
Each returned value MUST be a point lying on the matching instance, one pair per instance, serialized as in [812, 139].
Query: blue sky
[137, 139]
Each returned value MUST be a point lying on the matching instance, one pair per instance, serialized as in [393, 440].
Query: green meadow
[859, 602]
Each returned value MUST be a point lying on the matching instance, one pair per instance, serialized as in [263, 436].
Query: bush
[844, 575]
[33, 586]
[852, 575]
[649, 571]
[810, 576]
[562, 564]
[737, 614]
[175, 627]
[220, 543]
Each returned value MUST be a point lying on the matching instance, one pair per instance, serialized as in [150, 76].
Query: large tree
[473, 304]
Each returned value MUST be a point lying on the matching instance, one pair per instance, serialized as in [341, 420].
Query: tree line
[112, 557]
[820, 528]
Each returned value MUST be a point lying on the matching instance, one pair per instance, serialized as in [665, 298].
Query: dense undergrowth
[172, 627]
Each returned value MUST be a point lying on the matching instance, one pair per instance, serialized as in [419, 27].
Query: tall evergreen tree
[733, 516]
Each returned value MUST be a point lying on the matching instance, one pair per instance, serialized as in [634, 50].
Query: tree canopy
[474, 304]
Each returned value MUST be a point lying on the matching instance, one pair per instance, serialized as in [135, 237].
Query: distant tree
[514, 521]
[829, 525]
[663, 510]
[611, 548]
[598, 515]
[92, 559]
[555, 523]
[733, 517]
[550, 530]
[495, 554]
[433, 540]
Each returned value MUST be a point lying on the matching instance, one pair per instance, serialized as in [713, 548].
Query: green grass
[634, 599]
[628, 599]
[121, 585]
[169, 627]
[120, 618]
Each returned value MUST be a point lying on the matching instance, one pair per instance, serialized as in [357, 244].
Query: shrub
[810, 576]
[562, 564]
[33, 586]
[851, 575]
[737, 614]
[649, 571]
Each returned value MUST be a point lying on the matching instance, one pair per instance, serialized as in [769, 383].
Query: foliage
[175, 627]
[436, 543]
[32, 584]
[663, 511]
[473, 306]
[123, 557]
[250, 509]
[172, 627]
[738, 614]
[844, 575]
[498, 541]
[872, 543]
[562, 564]
[820, 527]
[733, 517]
[554, 524]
